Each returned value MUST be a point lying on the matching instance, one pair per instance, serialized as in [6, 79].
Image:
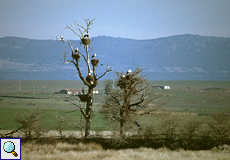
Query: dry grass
[93, 151]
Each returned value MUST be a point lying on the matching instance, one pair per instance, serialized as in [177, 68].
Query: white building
[80, 91]
[166, 87]
[161, 87]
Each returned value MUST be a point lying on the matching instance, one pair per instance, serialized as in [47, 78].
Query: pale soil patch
[78, 134]
[66, 134]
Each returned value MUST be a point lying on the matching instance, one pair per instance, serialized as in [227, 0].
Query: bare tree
[91, 78]
[61, 122]
[220, 127]
[132, 96]
[190, 128]
[31, 123]
[169, 126]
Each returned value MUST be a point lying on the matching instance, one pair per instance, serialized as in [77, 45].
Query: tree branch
[137, 103]
[94, 74]
[81, 32]
[115, 98]
[12, 132]
[70, 45]
[88, 23]
[80, 75]
[83, 56]
[70, 111]
[88, 61]
[107, 70]
[85, 30]
[79, 72]
[81, 109]
[73, 31]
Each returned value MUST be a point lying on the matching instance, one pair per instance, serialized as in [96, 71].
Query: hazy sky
[137, 19]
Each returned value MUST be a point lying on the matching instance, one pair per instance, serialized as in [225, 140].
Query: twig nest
[76, 56]
[95, 62]
[121, 84]
[83, 97]
[85, 41]
[124, 82]
[90, 79]
[76, 50]
[128, 77]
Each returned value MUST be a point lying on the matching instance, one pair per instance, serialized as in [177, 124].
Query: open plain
[184, 101]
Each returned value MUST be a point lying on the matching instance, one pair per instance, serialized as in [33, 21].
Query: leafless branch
[73, 31]
[70, 45]
[85, 29]
[88, 61]
[115, 98]
[80, 75]
[137, 103]
[70, 112]
[94, 74]
[107, 70]
[81, 109]
[78, 68]
[83, 56]
[81, 32]
[64, 57]
[12, 132]
[88, 23]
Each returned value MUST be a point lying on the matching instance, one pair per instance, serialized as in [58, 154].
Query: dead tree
[132, 96]
[91, 78]
[220, 127]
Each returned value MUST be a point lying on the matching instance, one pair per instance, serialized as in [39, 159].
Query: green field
[201, 97]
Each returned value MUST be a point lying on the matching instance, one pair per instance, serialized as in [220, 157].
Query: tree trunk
[122, 124]
[89, 111]
[87, 127]
[122, 115]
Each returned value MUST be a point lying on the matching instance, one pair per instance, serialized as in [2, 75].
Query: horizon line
[121, 37]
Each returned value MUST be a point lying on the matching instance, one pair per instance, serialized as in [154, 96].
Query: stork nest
[76, 56]
[85, 41]
[89, 78]
[83, 97]
[95, 62]
[125, 82]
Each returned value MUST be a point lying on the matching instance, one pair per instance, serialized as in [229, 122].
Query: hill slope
[181, 57]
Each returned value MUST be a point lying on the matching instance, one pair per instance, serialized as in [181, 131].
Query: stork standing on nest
[129, 71]
[94, 55]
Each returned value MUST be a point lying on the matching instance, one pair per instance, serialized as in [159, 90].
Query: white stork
[129, 71]
[76, 50]
[94, 55]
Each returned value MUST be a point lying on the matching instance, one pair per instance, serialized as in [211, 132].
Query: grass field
[199, 97]
[185, 100]
[94, 151]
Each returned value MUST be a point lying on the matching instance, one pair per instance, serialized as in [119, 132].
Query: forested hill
[181, 57]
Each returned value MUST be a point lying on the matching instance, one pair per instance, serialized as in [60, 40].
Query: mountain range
[180, 57]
